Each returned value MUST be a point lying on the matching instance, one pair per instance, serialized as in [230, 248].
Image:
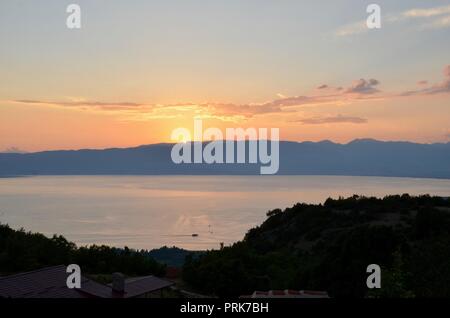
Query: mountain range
[360, 157]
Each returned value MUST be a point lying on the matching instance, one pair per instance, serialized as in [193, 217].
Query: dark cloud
[324, 86]
[363, 86]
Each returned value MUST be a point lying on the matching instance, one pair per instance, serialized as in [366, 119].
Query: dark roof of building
[288, 293]
[50, 282]
[140, 285]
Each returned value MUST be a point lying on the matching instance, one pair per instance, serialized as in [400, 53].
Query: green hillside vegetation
[23, 251]
[329, 246]
[171, 256]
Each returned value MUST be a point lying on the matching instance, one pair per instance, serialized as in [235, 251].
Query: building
[50, 282]
[287, 294]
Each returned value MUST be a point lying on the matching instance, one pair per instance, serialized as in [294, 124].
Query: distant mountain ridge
[360, 157]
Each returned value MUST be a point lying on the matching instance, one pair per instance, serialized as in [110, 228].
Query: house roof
[50, 282]
[140, 285]
[288, 293]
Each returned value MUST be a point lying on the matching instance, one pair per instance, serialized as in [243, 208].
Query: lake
[152, 211]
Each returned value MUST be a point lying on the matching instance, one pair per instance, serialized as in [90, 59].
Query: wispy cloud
[220, 110]
[358, 91]
[352, 29]
[438, 88]
[428, 18]
[426, 12]
[439, 23]
[84, 103]
[339, 119]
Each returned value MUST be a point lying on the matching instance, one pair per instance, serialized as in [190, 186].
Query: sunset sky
[138, 69]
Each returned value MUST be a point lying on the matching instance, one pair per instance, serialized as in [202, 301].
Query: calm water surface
[152, 211]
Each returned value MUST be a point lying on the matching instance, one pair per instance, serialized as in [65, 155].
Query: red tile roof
[278, 292]
[315, 292]
[261, 292]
